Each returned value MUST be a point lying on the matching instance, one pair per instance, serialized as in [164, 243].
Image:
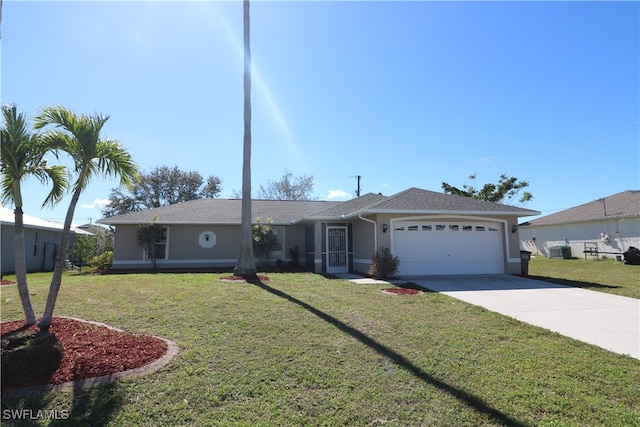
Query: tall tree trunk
[245, 265]
[21, 267]
[56, 280]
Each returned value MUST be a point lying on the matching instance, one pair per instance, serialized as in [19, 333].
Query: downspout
[375, 232]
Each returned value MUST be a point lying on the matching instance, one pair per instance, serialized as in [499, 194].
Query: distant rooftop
[621, 205]
[7, 217]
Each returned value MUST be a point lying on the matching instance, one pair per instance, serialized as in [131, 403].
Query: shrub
[264, 240]
[384, 264]
[103, 261]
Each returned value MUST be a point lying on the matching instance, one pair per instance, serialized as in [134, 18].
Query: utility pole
[358, 189]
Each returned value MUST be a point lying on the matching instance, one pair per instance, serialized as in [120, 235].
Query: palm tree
[245, 266]
[23, 156]
[79, 136]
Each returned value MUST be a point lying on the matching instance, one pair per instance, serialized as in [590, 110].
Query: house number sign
[207, 239]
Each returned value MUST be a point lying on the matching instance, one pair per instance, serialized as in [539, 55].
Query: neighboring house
[610, 224]
[431, 233]
[104, 236]
[41, 239]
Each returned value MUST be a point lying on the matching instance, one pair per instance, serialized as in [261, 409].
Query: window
[277, 248]
[454, 227]
[467, 228]
[440, 227]
[427, 227]
[412, 228]
[35, 245]
[480, 228]
[399, 229]
[493, 229]
[160, 246]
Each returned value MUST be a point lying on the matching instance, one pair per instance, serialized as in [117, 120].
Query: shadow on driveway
[481, 282]
[603, 319]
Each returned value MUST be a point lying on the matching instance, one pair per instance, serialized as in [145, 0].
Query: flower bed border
[172, 351]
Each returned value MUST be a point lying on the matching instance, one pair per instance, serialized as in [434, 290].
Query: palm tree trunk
[21, 267]
[245, 265]
[56, 280]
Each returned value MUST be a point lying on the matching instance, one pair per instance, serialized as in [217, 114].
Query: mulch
[92, 350]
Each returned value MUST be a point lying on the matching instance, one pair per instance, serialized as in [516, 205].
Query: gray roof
[282, 212]
[348, 208]
[222, 211]
[416, 200]
[620, 205]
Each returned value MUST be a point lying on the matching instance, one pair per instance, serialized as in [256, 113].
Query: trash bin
[525, 256]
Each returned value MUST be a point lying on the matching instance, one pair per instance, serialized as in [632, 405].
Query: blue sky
[404, 94]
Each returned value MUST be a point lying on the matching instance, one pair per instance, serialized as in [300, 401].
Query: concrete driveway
[608, 321]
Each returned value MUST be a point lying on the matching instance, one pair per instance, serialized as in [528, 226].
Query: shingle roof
[222, 211]
[349, 207]
[416, 200]
[228, 211]
[620, 205]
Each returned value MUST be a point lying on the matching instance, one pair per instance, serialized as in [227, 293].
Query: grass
[597, 275]
[307, 350]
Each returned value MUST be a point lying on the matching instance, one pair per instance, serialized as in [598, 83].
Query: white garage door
[447, 247]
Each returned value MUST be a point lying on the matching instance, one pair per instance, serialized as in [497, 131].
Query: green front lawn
[596, 275]
[307, 350]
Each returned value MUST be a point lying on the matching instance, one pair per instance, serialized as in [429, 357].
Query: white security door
[337, 249]
[447, 247]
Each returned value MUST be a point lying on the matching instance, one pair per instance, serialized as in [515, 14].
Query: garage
[448, 247]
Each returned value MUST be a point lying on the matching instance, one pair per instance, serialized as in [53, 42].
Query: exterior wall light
[385, 227]
[514, 228]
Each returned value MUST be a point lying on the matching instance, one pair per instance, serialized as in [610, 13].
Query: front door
[337, 249]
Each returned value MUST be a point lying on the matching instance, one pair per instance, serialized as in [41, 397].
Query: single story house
[41, 240]
[603, 227]
[431, 233]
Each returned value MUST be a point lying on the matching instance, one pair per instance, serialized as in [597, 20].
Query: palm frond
[22, 156]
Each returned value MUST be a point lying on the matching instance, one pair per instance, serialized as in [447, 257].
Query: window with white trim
[160, 245]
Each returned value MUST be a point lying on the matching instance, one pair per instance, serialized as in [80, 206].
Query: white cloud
[487, 159]
[338, 194]
[97, 204]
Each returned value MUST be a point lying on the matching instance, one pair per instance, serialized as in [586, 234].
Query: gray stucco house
[41, 239]
[430, 232]
[611, 224]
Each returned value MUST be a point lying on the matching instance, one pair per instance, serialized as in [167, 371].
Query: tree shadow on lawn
[92, 406]
[472, 401]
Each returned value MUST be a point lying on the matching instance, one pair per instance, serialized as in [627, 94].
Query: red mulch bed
[92, 351]
[401, 291]
[4, 282]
